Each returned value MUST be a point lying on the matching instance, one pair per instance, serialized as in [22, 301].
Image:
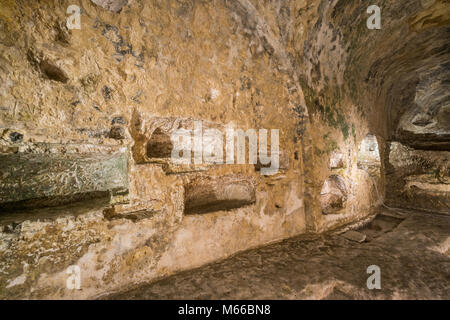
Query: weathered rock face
[51, 179]
[111, 5]
[92, 112]
[358, 81]
[426, 124]
[105, 98]
[333, 195]
[301, 268]
[418, 178]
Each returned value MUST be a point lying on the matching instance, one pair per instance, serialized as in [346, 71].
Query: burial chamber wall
[87, 118]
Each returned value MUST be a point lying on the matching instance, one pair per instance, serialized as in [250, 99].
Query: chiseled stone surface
[414, 259]
[171, 59]
[224, 193]
[311, 69]
[333, 196]
[354, 236]
[418, 178]
[111, 5]
[30, 177]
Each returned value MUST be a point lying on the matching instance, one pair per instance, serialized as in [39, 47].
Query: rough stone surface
[418, 178]
[354, 236]
[224, 193]
[415, 254]
[47, 177]
[337, 160]
[137, 70]
[111, 5]
[333, 196]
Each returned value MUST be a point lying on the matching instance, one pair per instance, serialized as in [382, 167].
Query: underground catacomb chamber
[141, 139]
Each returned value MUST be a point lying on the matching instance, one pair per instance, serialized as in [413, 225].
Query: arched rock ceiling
[397, 77]
[399, 73]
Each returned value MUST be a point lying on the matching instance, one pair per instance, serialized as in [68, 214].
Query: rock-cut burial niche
[333, 196]
[53, 179]
[369, 156]
[210, 194]
[160, 145]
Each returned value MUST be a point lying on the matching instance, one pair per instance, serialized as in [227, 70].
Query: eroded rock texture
[54, 179]
[418, 178]
[301, 268]
[87, 118]
[333, 196]
[209, 195]
[111, 5]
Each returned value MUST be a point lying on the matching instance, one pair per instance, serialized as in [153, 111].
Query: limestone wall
[77, 95]
[418, 179]
[118, 87]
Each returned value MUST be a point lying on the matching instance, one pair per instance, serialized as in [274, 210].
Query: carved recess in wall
[56, 174]
[333, 196]
[153, 143]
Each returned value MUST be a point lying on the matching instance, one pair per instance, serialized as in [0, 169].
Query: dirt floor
[411, 248]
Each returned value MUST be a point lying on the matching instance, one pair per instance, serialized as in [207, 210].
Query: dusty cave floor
[411, 248]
